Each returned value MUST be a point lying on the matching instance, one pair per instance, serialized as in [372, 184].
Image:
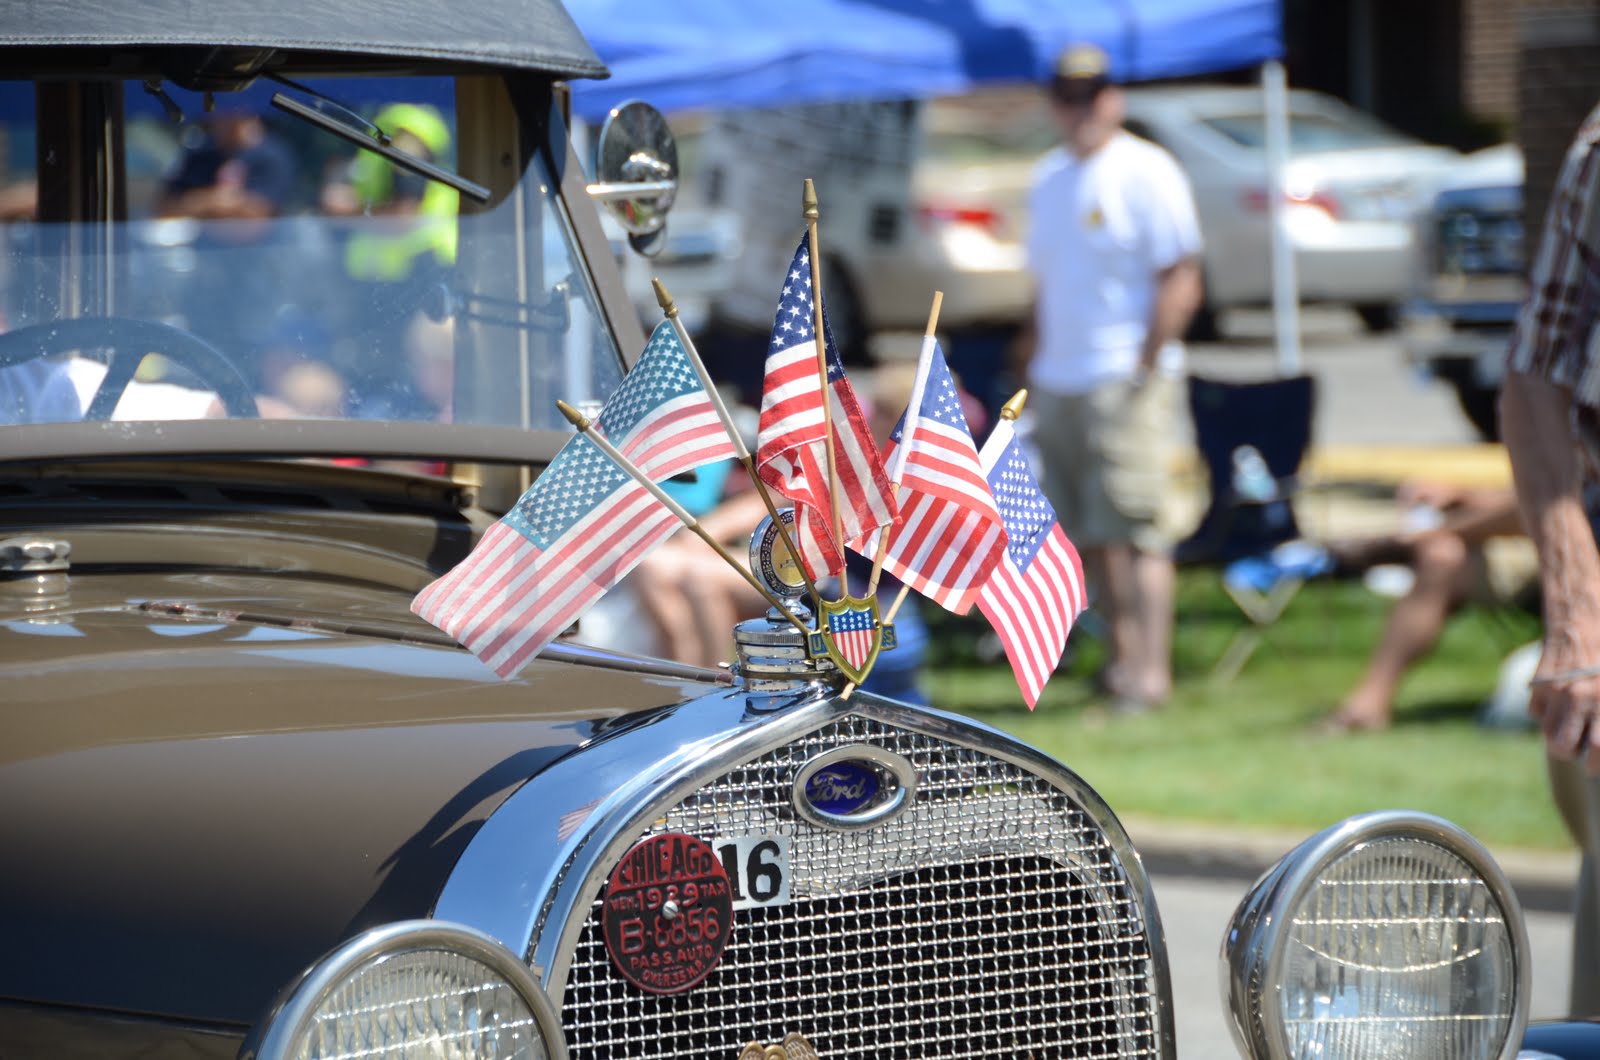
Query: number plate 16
[757, 867]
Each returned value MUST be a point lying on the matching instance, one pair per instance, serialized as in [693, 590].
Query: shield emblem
[852, 635]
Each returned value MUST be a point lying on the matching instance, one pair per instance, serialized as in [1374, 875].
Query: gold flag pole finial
[670, 309]
[809, 200]
[586, 427]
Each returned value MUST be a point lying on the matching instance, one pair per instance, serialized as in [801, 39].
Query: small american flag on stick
[584, 523]
[791, 451]
[949, 537]
[1036, 591]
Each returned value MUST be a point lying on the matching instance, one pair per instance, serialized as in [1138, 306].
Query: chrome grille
[990, 919]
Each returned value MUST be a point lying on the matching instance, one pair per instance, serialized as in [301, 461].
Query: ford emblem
[857, 786]
[842, 788]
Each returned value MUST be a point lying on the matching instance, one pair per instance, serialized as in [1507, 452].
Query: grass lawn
[1241, 753]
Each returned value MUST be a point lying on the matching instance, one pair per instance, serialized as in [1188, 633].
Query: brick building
[1464, 72]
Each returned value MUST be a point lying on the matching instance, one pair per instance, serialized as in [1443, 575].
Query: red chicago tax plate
[667, 913]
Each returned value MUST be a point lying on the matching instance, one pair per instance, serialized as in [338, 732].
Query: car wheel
[1379, 316]
[846, 318]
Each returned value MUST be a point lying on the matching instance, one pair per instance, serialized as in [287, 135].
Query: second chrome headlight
[1391, 934]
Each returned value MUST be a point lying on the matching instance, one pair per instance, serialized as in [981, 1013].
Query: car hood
[210, 780]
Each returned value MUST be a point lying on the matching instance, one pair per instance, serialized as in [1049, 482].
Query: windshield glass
[261, 267]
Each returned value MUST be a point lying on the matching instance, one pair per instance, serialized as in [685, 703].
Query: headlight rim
[291, 1013]
[1255, 943]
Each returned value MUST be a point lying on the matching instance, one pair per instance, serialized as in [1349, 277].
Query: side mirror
[637, 173]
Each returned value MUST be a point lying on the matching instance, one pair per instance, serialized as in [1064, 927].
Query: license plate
[758, 869]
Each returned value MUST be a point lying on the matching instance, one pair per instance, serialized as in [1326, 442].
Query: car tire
[1379, 317]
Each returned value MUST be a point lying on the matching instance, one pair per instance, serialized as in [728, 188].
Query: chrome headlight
[1392, 934]
[414, 988]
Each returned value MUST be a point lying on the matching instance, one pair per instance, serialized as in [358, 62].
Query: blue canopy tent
[734, 53]
[728, 54]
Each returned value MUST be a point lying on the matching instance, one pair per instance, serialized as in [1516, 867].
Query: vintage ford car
[289, 293]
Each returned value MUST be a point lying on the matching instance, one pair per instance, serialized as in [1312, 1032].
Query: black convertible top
[529, 34]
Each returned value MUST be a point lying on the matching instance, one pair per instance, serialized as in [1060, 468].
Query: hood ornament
[773, 656]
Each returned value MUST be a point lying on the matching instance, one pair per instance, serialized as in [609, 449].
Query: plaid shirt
[1555, 338]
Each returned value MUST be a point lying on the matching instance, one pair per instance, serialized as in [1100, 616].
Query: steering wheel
[130, 340]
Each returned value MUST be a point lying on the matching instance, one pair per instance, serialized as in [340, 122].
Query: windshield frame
[89, 165]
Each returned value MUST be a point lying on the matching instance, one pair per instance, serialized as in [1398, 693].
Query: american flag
[1036, 591]
[584, 523]
[791, 450]
[949, 537]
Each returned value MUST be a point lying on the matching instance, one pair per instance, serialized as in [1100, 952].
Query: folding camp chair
[1252, 438]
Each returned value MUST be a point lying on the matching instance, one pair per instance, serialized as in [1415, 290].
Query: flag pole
[670, 308]
[1009, 411]
[586, 426]
[809, 201]
[913, 410]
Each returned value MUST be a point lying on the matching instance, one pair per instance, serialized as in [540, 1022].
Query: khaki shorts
[1107, 458]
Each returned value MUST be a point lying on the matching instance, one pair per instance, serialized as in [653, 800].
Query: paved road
[1367, 395]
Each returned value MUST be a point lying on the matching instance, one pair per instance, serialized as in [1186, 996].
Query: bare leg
[1443, 579]
[661, 596]
[1155, 580]
[1119, 590]
[719, 597]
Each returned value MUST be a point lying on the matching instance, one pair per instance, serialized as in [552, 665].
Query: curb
[1544, 880]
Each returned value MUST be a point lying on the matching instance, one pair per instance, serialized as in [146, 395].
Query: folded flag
[1036, 591]
[584, 523]
[949, 536]
[791, 449]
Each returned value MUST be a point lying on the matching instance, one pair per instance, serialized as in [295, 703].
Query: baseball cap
[1082, 70]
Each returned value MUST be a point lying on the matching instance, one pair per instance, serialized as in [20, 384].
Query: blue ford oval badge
[843, 787]
[855, 786]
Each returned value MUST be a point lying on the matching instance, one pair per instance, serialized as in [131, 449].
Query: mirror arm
[643, 189]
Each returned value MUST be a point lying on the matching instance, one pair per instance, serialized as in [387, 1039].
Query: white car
[1353, 188]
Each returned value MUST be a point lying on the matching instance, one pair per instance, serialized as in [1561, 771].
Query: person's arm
[1178, 294]
[1172, 243]
[1535, 419]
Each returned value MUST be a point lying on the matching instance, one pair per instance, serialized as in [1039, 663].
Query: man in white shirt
[1113, 245]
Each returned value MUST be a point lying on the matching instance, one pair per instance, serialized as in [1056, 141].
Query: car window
[325, 280]
[1308, 132]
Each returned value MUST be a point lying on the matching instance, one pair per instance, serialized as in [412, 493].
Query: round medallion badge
[667, 913]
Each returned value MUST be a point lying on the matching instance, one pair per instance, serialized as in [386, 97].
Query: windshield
[257, 266]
